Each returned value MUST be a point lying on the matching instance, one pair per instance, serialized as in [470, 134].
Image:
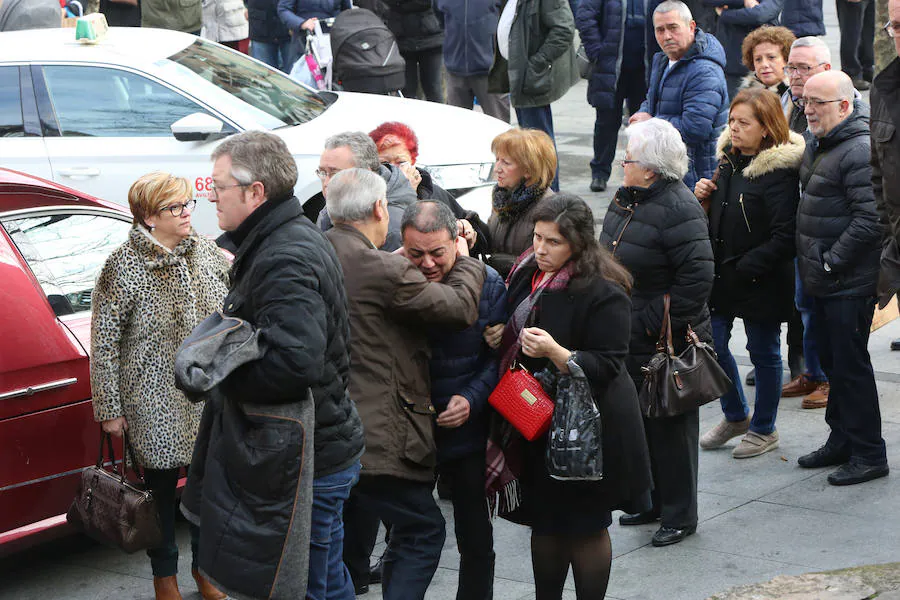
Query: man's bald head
[894, 22]
[829, 101]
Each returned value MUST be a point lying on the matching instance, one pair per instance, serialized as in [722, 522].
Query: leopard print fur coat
[146, 301]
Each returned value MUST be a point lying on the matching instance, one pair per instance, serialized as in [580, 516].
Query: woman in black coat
[657, 229]
[574, 297]
[752, 219]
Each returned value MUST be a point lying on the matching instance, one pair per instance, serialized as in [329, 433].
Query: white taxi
[97, 116]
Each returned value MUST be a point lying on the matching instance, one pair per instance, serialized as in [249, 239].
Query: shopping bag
[574, 445]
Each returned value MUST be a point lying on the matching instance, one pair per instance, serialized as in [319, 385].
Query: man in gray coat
[838, 250]
[391, 301]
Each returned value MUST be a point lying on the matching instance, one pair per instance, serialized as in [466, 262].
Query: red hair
[399, 133]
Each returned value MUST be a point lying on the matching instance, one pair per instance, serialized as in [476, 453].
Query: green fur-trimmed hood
[782, 156]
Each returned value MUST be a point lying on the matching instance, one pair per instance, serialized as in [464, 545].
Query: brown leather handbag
[111, 509]
[676, 384]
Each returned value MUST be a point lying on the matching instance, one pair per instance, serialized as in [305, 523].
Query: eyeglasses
[802, 69]
[814, 102]
[627, 161]
[324, 174]
[892, 28]
[214, 189]
[176, 210]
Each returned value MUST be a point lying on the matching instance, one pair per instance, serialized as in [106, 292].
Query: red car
[53, 243]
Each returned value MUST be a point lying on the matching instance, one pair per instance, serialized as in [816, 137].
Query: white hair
[680, 7]
[657, 146]
[823, 52]
[353, 194]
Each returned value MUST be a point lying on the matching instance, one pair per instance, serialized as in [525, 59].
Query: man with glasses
[838, 250]
[356, 149]
[885, 98]
[287, 282]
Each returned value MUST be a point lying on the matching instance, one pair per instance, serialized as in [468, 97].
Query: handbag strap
[105, 437]
[664, 344]
[132, 456]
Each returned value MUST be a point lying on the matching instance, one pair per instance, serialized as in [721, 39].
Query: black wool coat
[752, 220]
[592, 317]
[837, 220]
[660, 234]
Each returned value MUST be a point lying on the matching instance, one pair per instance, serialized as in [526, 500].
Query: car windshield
[263, 88]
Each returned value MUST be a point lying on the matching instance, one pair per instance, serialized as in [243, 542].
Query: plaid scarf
[510, 204]
[504, 446]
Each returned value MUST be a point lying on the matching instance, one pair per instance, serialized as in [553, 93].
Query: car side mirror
[196, 127]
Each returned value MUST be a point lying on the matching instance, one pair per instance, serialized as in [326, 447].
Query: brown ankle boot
[206, 589]
[166, 588]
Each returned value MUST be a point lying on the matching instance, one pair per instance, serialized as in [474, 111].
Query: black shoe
[895, 344]
[375, 571]
[853, 473]
[639, 518]
[666, 536]
[598, 184]
[823, 457]
[361, 590]
[868, 76]
[751, 378]
[861, 84]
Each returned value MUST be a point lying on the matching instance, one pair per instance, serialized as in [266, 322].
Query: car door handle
[41, 387]
[79, 172]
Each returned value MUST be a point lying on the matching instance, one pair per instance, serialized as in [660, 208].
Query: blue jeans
[806, 306]
[540, 117]
[328, 577]
[764, 345]
[278, 55]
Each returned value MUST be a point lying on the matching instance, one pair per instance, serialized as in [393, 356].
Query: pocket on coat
[882, 131]
[417, 433]
[537, 83]
[264, 463]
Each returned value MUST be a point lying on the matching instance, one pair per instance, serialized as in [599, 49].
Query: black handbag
[575, 445]
[676, 384]
[112, 510]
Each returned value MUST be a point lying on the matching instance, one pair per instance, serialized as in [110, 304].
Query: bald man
[838, 252]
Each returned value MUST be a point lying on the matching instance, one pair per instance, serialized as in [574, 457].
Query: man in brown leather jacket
[885, 101]
[391, 302]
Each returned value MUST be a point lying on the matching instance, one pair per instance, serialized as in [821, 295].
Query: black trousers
[425, 67]
[631, 88]
[673, 444]
[842, 326]
[472, 522]
[417, 533]
[857, 24]
[164, 558]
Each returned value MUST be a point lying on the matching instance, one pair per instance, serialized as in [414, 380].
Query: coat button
[230, 306]
[431, 409]
[615, 242]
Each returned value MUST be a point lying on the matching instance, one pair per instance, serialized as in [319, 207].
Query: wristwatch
[572, 361]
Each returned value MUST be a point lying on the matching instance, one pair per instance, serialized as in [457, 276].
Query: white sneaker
[755, 444]
[724, 431]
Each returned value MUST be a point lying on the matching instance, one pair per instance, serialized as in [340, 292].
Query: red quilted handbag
[522, 401]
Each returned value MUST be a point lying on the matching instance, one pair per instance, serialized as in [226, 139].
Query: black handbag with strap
[676, 384]
[113, 510]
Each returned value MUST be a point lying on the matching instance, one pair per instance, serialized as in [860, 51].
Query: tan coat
[391, 303]
[146, 302]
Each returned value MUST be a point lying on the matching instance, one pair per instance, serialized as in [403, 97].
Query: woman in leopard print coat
[151, 293]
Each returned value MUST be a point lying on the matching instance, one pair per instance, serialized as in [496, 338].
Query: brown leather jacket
[391, 303]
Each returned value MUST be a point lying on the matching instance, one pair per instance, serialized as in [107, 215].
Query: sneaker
[724, 431]
[799, 386]
[754, 444]
[819, 398]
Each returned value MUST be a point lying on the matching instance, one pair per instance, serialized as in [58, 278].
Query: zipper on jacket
[744, 212]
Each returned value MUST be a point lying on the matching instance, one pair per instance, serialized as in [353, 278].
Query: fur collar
[154, 254]
[783, 156]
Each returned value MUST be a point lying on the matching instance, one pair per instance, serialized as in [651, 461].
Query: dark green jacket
[178, 15]
[541, 66]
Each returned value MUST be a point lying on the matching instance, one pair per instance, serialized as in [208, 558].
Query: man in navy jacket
[463, 375]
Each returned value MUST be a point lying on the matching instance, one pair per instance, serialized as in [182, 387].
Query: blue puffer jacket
[462, 363]
[294, 12]
[803, 17]
[736, 23]
[601, 25]
[693, 97]
[469, 29]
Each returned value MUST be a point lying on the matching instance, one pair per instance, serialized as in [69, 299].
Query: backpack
[366, 55]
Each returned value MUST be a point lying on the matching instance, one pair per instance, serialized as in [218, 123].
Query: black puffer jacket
[837, 221]
[661, 235]
[289, 284]
[414, 24]
[752, 219]
[265, 24]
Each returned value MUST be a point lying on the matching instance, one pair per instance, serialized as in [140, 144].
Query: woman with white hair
[658, 230]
